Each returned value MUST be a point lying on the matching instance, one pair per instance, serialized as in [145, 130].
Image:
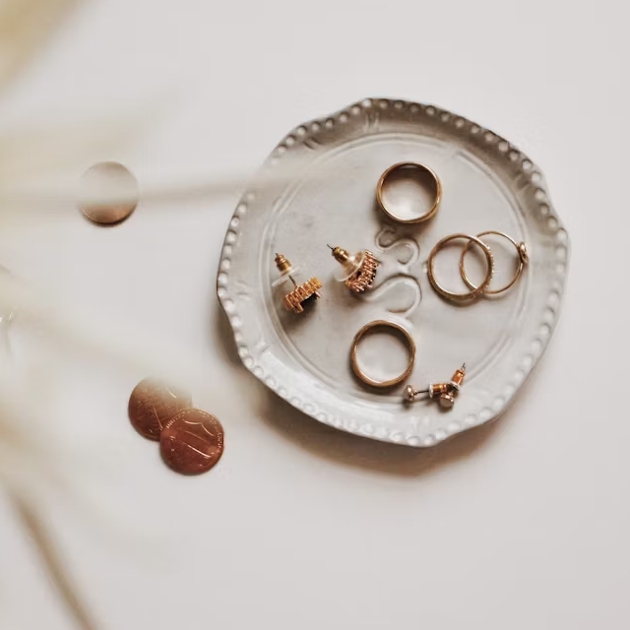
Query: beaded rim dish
[260, 345]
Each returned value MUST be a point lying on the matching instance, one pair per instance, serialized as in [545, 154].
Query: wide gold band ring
[523, 259]
[390, 326]
[418, 172]
[474, 292]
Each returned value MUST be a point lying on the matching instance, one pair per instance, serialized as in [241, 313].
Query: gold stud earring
[357, 270]
[301, 295]
[445, 392]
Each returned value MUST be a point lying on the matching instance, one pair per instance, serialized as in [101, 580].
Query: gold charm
[358, 270]
[445, 392]
[302, 294]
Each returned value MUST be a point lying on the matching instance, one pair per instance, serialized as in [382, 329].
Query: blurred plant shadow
[25, 28]
[53, 562]
[226, 344]
[354, 450]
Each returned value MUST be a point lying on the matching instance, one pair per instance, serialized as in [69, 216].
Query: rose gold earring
[444, 392]
[301, 295]
[357, 270]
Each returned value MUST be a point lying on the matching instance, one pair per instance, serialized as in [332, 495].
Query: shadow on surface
[53, 562]
[353, 450]
[225, 335]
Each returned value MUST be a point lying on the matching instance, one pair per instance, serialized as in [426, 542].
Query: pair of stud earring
[358, 272]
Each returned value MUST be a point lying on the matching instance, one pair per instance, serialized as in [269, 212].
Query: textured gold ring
[474, 292]
[418, 170]
[523, 259]
[404, 335]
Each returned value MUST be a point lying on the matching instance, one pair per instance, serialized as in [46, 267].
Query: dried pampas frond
[60, 152]
[25, 25]
[38, 174]
[25, 468]
[38, 531]
[95, 336]
[29, 470]
[54, 198]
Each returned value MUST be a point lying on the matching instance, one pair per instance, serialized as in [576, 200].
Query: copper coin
[153, 403]
[108, 193]
[192, 442]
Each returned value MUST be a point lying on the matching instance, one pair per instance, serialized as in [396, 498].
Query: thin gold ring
[418, 167]
[474, 292]
[523, 259]
[409, 342]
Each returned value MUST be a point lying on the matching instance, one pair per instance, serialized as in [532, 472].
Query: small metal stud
[301, 294]
[444, 392]
[357, 270]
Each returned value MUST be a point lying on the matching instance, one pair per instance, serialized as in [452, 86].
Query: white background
[522, 524]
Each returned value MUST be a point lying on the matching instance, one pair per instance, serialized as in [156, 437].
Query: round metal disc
[152, 404]
[192, 442]
[108, 193]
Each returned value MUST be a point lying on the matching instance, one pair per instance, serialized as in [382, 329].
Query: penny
[108, 193]
[152, 403]
[192, 442]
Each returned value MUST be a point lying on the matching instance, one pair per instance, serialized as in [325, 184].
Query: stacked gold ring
[523, 259]
[475, 291]
[484, 287]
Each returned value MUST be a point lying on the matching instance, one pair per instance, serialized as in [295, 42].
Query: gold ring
[523, 259]
[474, 292]
[409, 342]
[418, 170]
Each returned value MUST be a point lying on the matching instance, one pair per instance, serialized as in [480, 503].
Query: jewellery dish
[318, 187]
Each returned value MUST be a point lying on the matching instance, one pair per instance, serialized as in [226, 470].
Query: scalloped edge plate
[262, 348]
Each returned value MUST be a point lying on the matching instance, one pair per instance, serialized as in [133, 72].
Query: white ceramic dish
[318, 187]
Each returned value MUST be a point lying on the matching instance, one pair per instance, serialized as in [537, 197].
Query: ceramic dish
[318, 188]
